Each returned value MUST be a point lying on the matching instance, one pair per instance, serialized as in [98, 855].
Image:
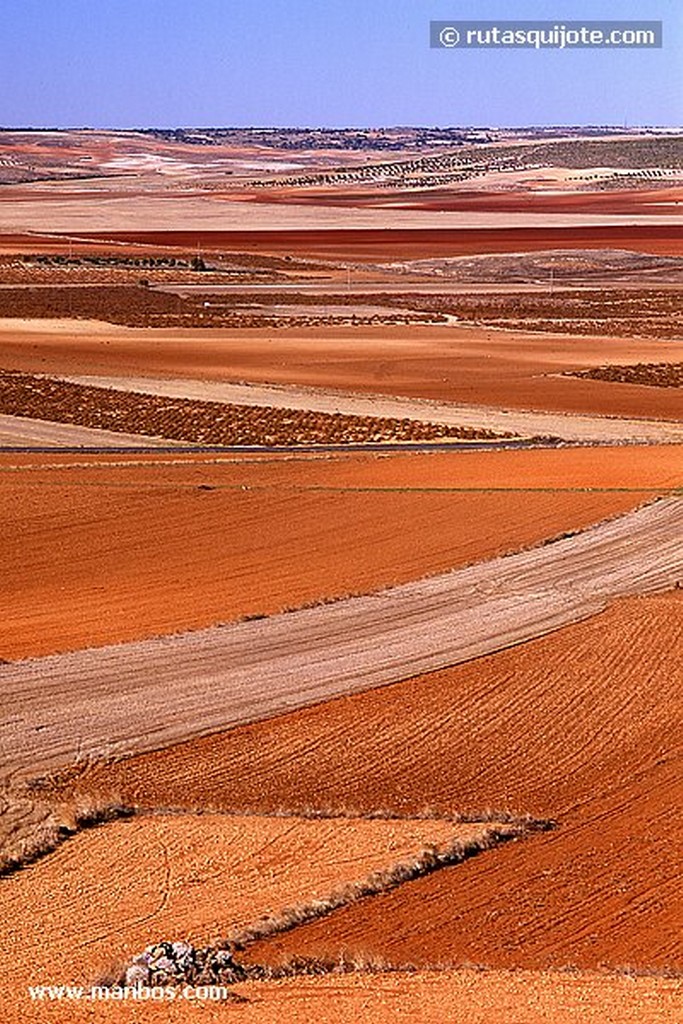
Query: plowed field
[109, 550]
[657, 375]
[331, 416]
[149, 694]
[472, 996]
[412, 242]
[579, 725]
[443, 997]
[198, 422]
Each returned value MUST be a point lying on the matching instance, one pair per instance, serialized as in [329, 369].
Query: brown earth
[578, 725]
[334, 414]
[505, 369]
[475, 997]
[626, 201]
[435, 997]
[658, 375]
[150, 694]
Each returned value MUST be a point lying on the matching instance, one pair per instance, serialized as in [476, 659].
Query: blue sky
[126, 63]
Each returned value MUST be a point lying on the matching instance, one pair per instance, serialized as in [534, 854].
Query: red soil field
[653, 467]
[628, 201]
[430, 997]
[506, 369]
[410, 243]
[98, 550]
[577, 726]
[603, 890]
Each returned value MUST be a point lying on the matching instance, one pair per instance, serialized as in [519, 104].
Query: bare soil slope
[580, 725]
[453, 997]
[128, 697]
[102, 550]
[104, 896]
[470, 365]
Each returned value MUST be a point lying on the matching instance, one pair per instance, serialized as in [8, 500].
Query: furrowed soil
[101, 898]
[99, 550]
[579, 726]
[474, 365]
[152, 693]
[206, 423]
[658, 375]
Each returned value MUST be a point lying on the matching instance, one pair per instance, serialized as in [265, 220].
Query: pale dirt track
[99, 550]
[22, 432]
[526, 424]
[454, 365]
[108, 893]
[581, 726]
[146, 695]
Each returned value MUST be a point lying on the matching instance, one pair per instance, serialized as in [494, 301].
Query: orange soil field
[410, 243]
[98, 550]
[578, 726]
[469, 996]
[506, 369]
[444, 997]
[655, 467]
[101, 898]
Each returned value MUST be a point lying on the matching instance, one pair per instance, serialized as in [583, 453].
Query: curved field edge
[192, 544]
[212, 423]
[491, 421]
[579, 726]
[115, 889]
[125, 698]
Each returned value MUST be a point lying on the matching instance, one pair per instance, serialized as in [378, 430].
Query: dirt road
[148, 694]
